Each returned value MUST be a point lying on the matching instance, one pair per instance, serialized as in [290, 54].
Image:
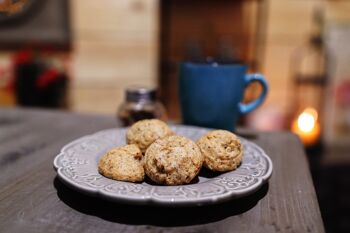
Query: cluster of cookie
[153, 149]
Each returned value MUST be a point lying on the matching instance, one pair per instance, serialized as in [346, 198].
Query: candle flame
[307, 126]
[307, 120]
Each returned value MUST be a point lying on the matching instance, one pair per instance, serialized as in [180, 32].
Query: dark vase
[29, 94]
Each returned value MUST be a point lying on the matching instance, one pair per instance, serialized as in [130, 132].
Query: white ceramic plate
[77, 162]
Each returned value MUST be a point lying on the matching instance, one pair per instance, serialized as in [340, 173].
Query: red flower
[46, 78]
[23, 57]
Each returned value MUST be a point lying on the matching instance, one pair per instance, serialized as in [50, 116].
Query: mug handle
[249, 78]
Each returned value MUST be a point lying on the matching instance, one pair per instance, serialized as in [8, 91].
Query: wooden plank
[32, 199]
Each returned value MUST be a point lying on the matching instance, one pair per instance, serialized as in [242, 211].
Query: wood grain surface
[32, 199]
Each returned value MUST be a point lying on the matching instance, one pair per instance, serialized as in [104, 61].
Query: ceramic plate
[77, 162]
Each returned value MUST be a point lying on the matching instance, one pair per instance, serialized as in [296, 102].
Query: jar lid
[139, 93]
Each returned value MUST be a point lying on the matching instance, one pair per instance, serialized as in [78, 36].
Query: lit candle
[307, 126]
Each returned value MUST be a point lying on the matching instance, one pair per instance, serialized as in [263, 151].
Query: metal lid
[139, 93]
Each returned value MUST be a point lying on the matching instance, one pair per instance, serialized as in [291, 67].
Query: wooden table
[32, 199]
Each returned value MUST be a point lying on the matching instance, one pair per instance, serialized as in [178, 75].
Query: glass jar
[140, 103]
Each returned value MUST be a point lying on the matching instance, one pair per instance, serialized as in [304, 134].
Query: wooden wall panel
[115, 45]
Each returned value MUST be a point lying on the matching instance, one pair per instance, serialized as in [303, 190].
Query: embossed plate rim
[152, 200]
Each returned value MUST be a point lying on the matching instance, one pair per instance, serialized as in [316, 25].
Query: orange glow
[307, 126]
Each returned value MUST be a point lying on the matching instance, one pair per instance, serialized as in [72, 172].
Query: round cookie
[123, 163]
[173, 160]
[222, 150]
[144, 133]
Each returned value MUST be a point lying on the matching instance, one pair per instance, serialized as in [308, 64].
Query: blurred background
[81, 55]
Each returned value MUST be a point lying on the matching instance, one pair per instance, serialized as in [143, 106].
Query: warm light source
[307, 126]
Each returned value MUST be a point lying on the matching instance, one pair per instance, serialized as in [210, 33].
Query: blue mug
[211, 94]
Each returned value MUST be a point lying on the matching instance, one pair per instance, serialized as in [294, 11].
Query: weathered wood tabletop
[32, 199]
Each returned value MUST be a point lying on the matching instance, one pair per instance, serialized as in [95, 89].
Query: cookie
[173, 160]
[144, 133]
[222, 150]
[123, 163]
